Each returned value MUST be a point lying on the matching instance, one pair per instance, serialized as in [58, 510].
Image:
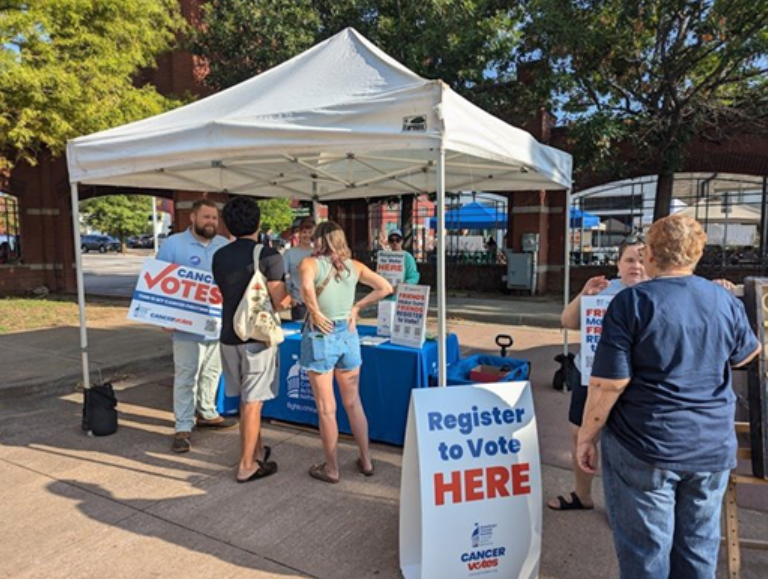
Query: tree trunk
[664, 183]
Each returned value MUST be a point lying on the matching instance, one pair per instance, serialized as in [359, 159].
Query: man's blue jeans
[666, 523]
[196, 381]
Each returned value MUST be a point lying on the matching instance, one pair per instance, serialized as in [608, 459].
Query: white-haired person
[662, 406]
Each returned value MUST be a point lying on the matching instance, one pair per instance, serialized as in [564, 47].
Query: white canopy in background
[343, 120]
[715, 211]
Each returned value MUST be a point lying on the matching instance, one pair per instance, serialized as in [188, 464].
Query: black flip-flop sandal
[267, 454]
[362, 470]
[574, 504]
[318, 471]
[265, 469]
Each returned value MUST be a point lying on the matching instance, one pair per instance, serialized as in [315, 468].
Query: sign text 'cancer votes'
[593, 309]
[177, 297]
[185, 283]
[476, 484]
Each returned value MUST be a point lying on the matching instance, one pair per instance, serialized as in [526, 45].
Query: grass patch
[24, 314]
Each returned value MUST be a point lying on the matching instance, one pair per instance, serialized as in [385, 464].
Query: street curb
[71, 382]
[548, 321]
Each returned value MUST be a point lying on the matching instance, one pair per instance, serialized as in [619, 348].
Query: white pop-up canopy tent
[342, 120]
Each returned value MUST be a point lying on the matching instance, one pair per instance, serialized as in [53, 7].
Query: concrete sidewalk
[50, 358]
[125, 506]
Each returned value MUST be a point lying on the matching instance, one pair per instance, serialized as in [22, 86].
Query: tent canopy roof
[473, 216]
[341, 120]
[715, 211]
[581, 218]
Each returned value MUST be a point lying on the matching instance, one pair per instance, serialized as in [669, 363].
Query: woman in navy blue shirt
[660, 401]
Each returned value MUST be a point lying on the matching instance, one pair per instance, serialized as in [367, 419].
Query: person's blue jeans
[666, 523]
[196, 380]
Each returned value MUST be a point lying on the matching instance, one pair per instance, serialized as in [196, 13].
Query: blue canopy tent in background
[583, 219]
[473, 216]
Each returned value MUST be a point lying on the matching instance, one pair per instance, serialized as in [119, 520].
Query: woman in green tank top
[330, 345]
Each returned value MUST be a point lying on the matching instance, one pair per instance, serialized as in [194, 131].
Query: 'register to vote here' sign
[593, 310]
[470, 495]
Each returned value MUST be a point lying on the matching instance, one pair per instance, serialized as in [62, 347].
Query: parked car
[100, 243]
[140, 242]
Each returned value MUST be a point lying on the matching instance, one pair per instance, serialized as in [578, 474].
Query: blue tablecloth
[388, 374]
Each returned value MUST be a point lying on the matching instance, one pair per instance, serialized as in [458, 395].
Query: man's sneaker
[218, 423]
[182, 442]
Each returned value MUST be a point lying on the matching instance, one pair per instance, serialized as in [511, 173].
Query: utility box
[519, 270]
[530, 242]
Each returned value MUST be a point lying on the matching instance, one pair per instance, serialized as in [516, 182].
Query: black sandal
[574, 504]
[265, 469]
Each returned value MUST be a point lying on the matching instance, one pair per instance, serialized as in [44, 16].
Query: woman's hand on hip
[352, 320]
[319, 322]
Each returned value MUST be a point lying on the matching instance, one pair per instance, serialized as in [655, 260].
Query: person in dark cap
[411, 274]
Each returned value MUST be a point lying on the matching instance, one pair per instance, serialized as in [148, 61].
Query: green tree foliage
[119, 215]
[468, 43]
[67, 68]
[276, 214]
[652, 73]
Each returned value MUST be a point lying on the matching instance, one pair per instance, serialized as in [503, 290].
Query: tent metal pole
[154, 225]
[441, 302]
[567, 270]
[315, 204]
[80, 286]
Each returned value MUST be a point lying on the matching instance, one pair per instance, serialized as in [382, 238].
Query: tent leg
[154, 226]
[80, 286]
[441, 301]
[567, 268]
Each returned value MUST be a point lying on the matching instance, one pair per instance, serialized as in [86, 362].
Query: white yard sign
[409, 326]
[470, 494]
[593, 310]
[391, 266]
[177, 297]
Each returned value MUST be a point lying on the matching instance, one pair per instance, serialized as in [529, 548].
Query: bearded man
[197, 363]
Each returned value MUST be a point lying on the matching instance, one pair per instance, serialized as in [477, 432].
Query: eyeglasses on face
[395, 239]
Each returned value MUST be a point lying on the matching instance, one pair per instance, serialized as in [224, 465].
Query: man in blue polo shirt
[661, 385]
[196, 358]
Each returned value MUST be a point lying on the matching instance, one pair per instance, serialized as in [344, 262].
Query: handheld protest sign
[593, 310]
[470, 496]
[177, 297]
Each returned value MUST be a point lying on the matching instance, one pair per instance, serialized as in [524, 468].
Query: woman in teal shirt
[330, 344]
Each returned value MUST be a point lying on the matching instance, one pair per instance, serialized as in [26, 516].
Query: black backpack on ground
[100, 410]
[567, 375]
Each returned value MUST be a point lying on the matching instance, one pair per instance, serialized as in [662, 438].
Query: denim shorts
[338, 350]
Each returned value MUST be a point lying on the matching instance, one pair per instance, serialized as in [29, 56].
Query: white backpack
[255, 318]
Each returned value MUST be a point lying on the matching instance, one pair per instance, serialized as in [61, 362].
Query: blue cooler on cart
[458, 372]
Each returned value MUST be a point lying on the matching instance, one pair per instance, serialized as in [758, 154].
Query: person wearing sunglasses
[411, 273]
[631, 272]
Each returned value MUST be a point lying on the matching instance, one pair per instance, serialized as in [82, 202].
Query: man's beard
[206, 231]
